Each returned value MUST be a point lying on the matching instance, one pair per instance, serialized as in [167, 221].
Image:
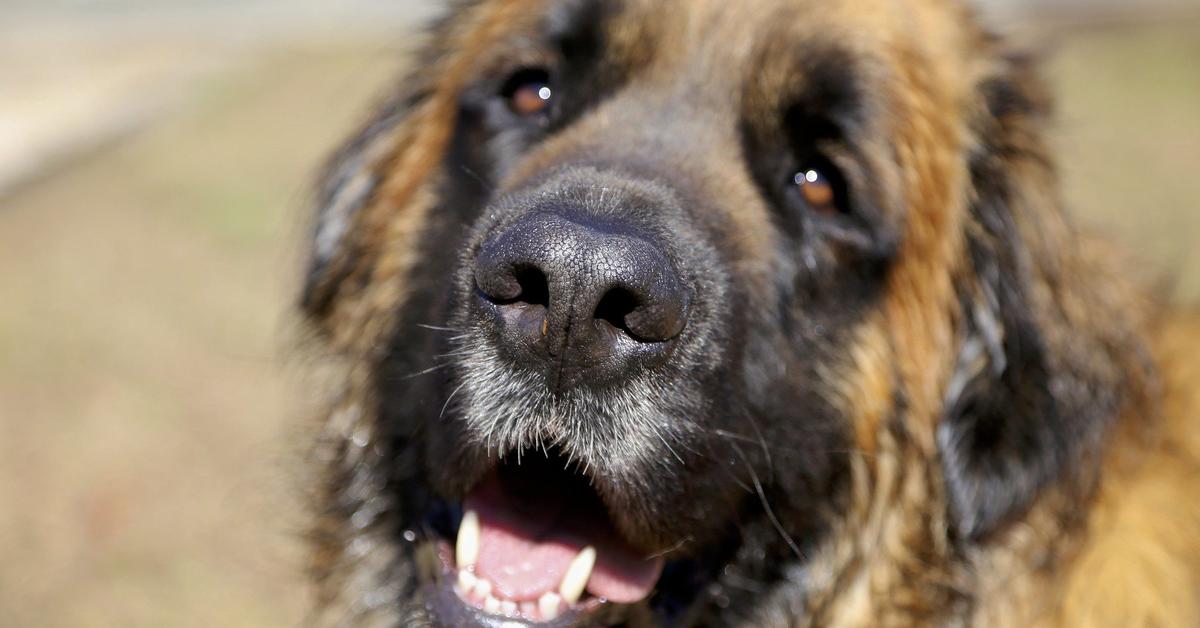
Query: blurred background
[155, 158]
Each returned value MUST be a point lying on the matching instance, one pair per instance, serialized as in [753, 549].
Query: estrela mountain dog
[716, 313]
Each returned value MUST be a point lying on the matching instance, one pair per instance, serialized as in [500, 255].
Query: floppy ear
[378, 170]
[1034, 391]
[350, 182]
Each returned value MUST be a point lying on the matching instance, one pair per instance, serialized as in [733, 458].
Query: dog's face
[644, 303]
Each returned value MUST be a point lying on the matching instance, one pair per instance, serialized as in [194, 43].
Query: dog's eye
[528, 92]
[818, 189]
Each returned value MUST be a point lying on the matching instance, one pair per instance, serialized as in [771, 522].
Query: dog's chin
[534, 544]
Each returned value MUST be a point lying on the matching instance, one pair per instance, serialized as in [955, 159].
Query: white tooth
[466, 549]
[483, 588]
[466, 581]
[528, 609]
[548, 606]
[508, 607]
[577, 576]
[491, 605]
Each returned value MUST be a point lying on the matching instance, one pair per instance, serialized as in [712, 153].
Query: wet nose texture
[580, 295]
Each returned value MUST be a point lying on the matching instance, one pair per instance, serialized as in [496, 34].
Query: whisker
[480, 180]
[663, 552]
[668, 446]
[436, 328]
[762, 497]
[449, 399]
[424, 372]
[454, 354]
[762, 441]
[734, 436]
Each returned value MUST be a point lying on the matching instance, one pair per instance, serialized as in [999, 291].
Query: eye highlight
[528, 92]
[818, 189]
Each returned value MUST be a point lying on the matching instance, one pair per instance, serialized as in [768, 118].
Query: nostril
[523, 285]
[616, 305]
[535, 289]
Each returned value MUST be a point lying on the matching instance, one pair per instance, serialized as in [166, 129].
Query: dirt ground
[150, 424]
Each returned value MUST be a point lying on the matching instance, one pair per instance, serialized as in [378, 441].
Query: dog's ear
[1032, 393]
[350, 182]
[378, 171]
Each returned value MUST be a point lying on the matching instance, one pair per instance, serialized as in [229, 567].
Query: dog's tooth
[466, 548]
[466, 581]
[529, 610]
[576, 579]
[483, 589]
[508, 607]
[491, 605]
[548, 605]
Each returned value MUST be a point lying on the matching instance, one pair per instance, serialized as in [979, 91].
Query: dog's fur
[947, 410]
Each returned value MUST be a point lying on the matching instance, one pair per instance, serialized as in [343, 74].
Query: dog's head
[696, 298]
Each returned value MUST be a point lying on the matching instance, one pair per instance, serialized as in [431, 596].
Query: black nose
[585, 294]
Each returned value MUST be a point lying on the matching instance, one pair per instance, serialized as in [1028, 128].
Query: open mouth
[536, 545]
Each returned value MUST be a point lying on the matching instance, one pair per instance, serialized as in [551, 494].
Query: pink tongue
[527, 542]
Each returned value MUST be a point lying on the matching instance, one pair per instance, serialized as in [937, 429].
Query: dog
[759, 313]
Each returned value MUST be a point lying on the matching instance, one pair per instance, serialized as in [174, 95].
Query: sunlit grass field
[151, 428]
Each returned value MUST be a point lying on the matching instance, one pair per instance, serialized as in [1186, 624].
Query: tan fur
[1140, 561]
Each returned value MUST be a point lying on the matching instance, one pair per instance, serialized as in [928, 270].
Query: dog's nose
[580, 291]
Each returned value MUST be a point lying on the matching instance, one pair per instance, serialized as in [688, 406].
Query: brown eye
[528, 93]
[817, 190]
